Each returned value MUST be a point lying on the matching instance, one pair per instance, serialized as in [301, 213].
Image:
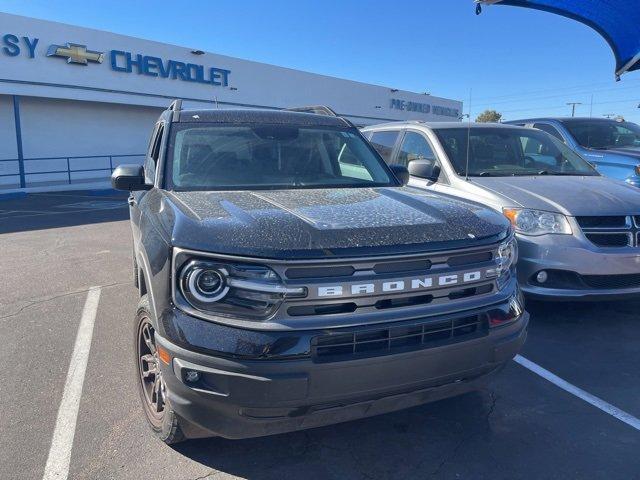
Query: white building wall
[8, 145]
[87, 132]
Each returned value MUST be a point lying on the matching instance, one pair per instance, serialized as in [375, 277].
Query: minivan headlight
[231, 289]
[537, 222]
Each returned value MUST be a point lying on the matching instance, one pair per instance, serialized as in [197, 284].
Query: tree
[489, 116]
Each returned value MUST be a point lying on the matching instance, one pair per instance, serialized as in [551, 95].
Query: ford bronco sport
[288, 279]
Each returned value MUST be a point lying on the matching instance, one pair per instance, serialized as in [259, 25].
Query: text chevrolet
[288, 279]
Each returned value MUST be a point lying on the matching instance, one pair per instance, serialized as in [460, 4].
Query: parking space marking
[578, 392]
[67, 212]
[57, 466]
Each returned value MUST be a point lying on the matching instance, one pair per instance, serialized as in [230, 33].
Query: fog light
[192, 376]
[542, 276]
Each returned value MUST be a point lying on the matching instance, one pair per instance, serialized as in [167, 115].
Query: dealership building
[76, 102]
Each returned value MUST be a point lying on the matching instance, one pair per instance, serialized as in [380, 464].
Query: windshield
[206, 156]
[500, 152]
[604, 134]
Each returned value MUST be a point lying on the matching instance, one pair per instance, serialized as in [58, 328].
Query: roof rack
[176, 107]
[317, 109]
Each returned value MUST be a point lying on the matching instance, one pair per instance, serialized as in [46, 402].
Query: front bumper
[577, 258]
[239, 398]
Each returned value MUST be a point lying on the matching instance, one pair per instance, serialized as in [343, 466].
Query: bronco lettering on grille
[421, 283]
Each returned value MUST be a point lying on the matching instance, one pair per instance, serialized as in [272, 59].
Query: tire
[163, 421]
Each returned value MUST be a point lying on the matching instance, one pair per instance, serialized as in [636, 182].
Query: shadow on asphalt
[412, 443]
[39, 211]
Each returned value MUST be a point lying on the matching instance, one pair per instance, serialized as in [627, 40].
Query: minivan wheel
[152, 388]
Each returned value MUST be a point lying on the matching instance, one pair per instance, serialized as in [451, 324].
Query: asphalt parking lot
[57, 246]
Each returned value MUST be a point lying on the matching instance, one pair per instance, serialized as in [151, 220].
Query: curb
[12, 195]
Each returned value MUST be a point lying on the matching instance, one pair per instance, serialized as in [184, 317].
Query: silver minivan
[578, 232]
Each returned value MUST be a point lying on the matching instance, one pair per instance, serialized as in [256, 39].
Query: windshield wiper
[543, 172]
[574, 174]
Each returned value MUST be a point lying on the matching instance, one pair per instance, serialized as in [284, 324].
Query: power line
[559, 95]
[555, 107]
[583, 86]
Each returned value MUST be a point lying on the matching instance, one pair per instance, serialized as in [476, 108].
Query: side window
[152, 157]
[549, 129]
[383, 142]
[414, 147]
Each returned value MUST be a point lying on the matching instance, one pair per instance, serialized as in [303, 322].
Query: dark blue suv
[612, 146]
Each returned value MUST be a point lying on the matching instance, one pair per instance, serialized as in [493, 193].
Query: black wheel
[153, 393]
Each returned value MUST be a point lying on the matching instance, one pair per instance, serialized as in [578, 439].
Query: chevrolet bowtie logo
[75, 53]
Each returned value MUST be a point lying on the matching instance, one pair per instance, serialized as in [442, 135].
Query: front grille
[602, 222]
[397, 339]
[612, 281]
[610, 239]
[611, 231]
[392, 302]
[357, 285]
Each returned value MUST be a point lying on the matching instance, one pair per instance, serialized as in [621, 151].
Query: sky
[517, 61]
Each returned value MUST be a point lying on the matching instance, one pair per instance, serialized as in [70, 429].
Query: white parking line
[57, 466]
[578, 392]
[63, 213]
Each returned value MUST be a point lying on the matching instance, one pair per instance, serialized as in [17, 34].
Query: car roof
[563, 119]
[439, 125]
[281, 117]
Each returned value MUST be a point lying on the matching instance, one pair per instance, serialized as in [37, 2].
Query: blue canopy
[618, 21]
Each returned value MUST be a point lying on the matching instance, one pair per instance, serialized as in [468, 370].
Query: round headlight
[209, 282]
[205, 285]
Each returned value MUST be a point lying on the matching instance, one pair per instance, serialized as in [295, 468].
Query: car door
[414, 145]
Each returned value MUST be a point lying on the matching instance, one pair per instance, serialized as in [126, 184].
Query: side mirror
[129, 178]
[427, 169]
[401, 173]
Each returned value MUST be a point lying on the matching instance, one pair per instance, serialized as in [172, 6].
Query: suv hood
[573, 196]
[327, 222]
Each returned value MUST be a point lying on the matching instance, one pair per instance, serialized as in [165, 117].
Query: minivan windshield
[501, 152]
[603, 134]
[214, 156]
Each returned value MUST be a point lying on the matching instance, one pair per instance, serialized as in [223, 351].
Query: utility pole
[573, 107]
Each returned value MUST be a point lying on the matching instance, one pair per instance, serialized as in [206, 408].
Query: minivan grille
[610, 239]
[612, 281]
[611, 231]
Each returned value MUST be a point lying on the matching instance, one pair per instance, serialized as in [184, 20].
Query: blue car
[611, 146]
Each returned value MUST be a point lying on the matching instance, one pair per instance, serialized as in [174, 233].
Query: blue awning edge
[617, 21]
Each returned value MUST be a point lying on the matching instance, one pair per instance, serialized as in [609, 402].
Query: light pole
[573, 107]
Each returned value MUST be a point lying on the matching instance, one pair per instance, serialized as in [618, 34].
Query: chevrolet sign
[75, 53]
